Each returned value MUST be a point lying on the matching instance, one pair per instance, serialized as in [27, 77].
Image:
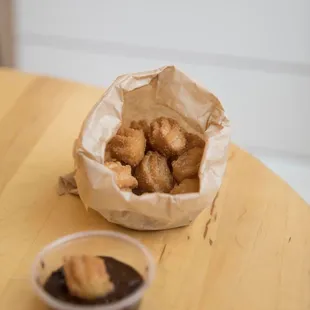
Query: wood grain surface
[252, 252]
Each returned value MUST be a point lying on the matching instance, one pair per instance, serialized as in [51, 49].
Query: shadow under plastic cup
[95, 243]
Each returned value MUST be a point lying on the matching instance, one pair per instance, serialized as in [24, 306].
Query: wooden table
[253, 254]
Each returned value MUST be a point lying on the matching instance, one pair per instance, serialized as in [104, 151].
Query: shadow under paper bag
[148, 95]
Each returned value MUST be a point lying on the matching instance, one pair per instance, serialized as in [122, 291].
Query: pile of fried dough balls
[160, 157]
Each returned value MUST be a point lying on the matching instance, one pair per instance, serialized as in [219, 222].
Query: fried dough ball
[141, 125]
[167, 137]
[144, 126]
[186, 186]
[187, 165]
[123, 177]
[153, 174]
[108, 155]
[193, 140]
[128, 146]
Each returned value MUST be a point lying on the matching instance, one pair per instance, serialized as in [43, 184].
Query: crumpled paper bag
[148, 95]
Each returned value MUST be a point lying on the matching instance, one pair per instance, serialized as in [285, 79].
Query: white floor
[293, 169]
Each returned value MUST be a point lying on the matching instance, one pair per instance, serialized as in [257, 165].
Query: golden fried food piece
[187, 165]
[123, 177]
[153, 173]
[193, 140]
[144, 126]
[167, 137]
[108, 155]
[141, 125]
[87, 277]
[128, 146]
[186, 186]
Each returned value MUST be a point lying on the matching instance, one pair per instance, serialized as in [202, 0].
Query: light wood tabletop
[252, 253]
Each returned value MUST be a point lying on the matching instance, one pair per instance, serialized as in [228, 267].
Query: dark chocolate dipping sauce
[126, 280]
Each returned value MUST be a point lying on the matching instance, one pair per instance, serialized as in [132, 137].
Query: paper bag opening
[148, 95]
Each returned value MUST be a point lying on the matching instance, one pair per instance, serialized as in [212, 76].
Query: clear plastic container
[96, 243]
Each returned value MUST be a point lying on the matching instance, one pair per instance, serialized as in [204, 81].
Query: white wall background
[254, 55]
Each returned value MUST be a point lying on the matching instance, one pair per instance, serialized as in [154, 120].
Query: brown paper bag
[148, 95]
